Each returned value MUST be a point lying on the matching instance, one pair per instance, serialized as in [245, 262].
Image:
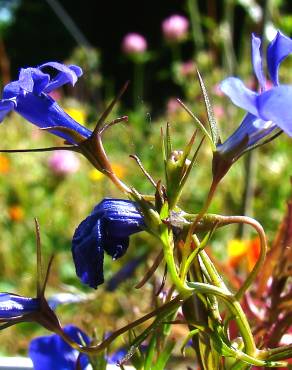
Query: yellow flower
[236, 248]
[78, 115]
[118, 169]
[95, 175]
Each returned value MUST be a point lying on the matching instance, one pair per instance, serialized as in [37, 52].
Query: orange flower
[4, 164]
[253, 252]
[119, 170]
[246, 251]
[16, 213]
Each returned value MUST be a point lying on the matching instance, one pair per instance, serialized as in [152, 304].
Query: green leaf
[211, 118]
[164, 356]
[150, 353]
[199, 124]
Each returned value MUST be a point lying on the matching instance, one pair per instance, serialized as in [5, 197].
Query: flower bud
[134, 43]
[175, 28]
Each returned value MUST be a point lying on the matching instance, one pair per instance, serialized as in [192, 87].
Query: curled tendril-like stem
[263, 247]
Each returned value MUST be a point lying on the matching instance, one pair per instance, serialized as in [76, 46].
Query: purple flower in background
[107, 229]
[134, 43]
[52, 352]
[14, 306]
[63, 162]
[29, 96]
[269, 109]
[124, 273]
[175, 28]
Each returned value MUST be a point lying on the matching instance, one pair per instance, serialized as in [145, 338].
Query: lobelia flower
[13, 306]
[107, 229]
[269, 109]
[29, 96]
[52, 352]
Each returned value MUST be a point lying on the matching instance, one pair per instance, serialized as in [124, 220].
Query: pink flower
[218, 111]
[134, 43]
[175, 28]
[188, 68]
[217, 91]
[172, 106]
[63, 162]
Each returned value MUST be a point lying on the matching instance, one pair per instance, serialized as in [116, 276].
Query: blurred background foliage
[36, 185]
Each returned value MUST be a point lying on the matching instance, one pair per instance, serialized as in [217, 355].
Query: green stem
[197, 32]
[236, 310]
[138, 84]
[263, 251]
[168, 307]
[172, 270]
[227, 37]
[280, 353]
[215, 277]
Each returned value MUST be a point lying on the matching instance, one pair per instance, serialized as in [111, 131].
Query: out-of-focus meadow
[39, 185]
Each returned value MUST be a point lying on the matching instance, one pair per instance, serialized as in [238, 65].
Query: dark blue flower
[107, 229]
[268, 109]
[14, 306]
[52, 352]
[29, 97]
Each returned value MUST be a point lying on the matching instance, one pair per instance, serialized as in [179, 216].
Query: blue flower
[52, 352]
[14, 306]
[107, 229]
[269, 109]
[29, 97]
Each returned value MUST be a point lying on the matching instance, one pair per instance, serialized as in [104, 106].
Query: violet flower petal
[64, 74]
[33, 80]
[240, 95]
[12, 305]
[5, 107]
[257, 61]
[53, 353]
[107, 228]
[275, 105]
[28, 97]
[277, 51]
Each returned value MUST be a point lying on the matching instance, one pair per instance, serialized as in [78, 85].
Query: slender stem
[201, 213]
[176, 302]
[197, 32]
[263, 245]
[172, 270]
[49, 149]
[279, 353]
[199, 123]
[215, 277]
[138, 83]
[227, 38]
[236, 310]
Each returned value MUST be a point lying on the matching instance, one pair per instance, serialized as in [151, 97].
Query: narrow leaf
[210, 113]
[199, 124]
[164, 356]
